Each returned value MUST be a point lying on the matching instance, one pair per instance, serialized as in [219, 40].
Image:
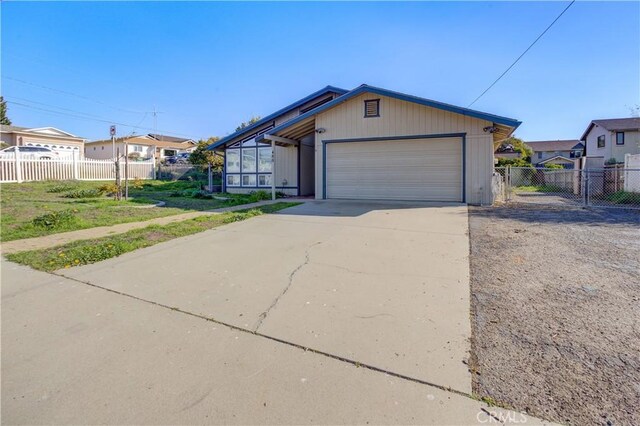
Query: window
[619, 138]
[539, 155]
[233, 180]
[137, 148]
[264, 159]
[372, 108]
[233, 162]
[264, 180]
[316, 105]
[601, 141]
[248, 180]
[249, 161]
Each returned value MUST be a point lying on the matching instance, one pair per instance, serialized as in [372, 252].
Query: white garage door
[405, 169]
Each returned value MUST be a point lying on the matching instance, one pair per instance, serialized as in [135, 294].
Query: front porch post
[273, 170]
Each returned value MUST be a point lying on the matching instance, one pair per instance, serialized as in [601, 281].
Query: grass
[82, 205]
[623, 197]
[539, 188]
[86, 252]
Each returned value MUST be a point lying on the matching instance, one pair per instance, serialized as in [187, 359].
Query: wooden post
[18, 165]
[153, 165]
[210, 176]
[75, 165]
[126, 169]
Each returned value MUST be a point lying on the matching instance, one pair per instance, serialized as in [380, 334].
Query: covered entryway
[405, 168]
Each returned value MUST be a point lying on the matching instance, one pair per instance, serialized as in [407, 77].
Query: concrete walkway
[73, 353]
[54, 240]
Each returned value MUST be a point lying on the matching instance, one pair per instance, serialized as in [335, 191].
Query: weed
[53, 220]
[84, 193]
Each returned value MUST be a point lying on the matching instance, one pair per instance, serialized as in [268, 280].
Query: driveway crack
[292, 275]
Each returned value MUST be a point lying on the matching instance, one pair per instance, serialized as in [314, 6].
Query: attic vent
[372, 108]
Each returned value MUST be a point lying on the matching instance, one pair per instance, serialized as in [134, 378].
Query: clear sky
[208, 66]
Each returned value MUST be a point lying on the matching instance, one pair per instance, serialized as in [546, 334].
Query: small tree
[202, 155]
[518, 146]
[4, 120]
[245, 124]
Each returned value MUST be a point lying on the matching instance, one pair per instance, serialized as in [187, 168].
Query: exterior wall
[286, 167]
[548, 154]
[592, 143]
[101, 150]
[631, 145]
[236, 190]
[63, 146]
[401, 118]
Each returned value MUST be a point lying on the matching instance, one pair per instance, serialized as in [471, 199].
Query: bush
[53, 220]
[84, 193]
[63, 187]
[553, 166]
[514, 162]
[137, 183]
[623, 197]
[611, 161]
[261, 195]
[110, 189]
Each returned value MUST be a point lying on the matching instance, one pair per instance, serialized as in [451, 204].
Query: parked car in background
[182, 158]
[30, 152]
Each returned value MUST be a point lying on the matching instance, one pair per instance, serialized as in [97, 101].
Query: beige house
[140, 147]
[611, 139]
[561, 152]
[367, 143]
[64, 143]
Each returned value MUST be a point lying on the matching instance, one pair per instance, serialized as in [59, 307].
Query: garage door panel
[415, 169]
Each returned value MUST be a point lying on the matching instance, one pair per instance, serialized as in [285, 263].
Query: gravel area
[556, 312]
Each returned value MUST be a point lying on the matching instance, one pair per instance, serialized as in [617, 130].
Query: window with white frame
[264, 160]
[249, 180]
[232, 161]
[248, 160]
[137, 148]
[233, 180]
[264, 180]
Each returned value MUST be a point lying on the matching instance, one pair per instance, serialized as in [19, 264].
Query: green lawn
[90, 251]
[41, 208]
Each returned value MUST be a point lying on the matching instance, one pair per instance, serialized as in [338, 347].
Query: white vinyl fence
[632, 162]
[23, 169]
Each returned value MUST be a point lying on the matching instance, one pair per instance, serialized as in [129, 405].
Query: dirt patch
[556, 312]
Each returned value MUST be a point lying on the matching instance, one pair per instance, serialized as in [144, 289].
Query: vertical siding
[286, 165]
[401, 118]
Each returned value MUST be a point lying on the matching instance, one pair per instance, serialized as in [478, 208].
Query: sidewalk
[105, 231]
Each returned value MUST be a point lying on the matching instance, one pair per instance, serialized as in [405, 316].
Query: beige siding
[286, 165]
[631, 145]
[401, 118]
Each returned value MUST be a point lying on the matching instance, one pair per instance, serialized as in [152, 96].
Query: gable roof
[558, 145]
[327, 89]
[612, 124]
[401, 96]
[9, 128]
[47, 131]
[556, 157]
[165, 138]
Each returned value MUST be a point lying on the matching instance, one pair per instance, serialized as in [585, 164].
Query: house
[562, 152]
[64, 143]
[367, 143]
[611, 139]
[140, 147]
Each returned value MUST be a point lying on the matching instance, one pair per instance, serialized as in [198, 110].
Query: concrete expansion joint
[307, 259]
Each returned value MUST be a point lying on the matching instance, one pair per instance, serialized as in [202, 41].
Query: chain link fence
[614, 187]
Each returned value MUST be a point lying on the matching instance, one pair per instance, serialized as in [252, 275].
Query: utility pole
[126, 169]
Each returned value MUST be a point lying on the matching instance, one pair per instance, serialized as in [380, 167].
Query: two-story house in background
[562, 152]
[610, 139]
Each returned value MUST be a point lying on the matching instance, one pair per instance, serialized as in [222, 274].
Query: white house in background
[611, 139]
[64, 143]
[141, 147]
[561, 152]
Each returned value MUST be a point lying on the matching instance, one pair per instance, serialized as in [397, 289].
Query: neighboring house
[142, 147]
[367, 143]
[562, 152]
[64, 143]
[611, 138]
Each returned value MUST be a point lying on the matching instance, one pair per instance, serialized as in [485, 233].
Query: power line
[95, 119]
[71, 94]
[523, 53]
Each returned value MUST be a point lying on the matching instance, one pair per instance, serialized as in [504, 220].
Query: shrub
[137, 183]
[256, 196]
[110, 189]
[84, 193]
[63, 187]
[553, 166]
[611, 161]
[53, 220]
[623, 197]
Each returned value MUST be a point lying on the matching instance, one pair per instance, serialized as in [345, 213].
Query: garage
[405, 168]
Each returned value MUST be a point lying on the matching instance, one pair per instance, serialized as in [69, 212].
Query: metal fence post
[586, 187]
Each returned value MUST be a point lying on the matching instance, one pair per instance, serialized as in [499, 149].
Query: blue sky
[208, 66]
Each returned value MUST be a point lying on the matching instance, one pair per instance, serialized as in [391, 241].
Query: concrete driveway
[381, 283]
[213, 328]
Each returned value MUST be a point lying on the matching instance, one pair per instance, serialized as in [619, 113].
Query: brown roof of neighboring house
[612, 124]
[559, 145]
[144, 140]
[6, 128]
